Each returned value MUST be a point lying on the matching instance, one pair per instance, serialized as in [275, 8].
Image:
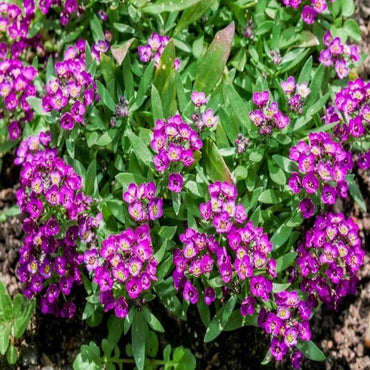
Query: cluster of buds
[245, 253]
[329, 258]
[121, 110]
[56, 219]
[16, 85]
[126, 266]
[154, 49]
[309, 11]
[68, 7]
[276, 57]
[296, 93]
[142, 203]
[202, 118]
[73, 90]
[175, 141]
[249, 30]
[338, 54]
[324, 164]
[241, 143]
[267, 117]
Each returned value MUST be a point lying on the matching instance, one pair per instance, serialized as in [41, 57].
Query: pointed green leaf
[214, 164]
[161, 6]
[212, 65]
[220, 320]
[140, 149]
[139, 332]
[165, 66]
[311, 351]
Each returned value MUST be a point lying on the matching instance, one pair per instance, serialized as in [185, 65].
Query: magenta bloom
[261, 98]
[341, 68]
[175, 181]
[209, 295]
[13, 130]
[190, 293]
[307, 207]
[308, 14]
[278, 349]
[248, 306]
[198, 98]
[121, 307]
[66, 121]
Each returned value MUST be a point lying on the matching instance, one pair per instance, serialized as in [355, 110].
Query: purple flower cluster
[14, 26]
[296, 94]
[351, 111]
[16, 85]
[309, 12]
[175, 141]
[330, 257]
[154, 49]
[142, 202]
[73, 90]
[241, 143]
[323, 165]
[244, 256]
[267, 117]
[68, 7]
[55, 210]
[202, 118]
[364, 160]
[288, 325]
[126, 263]
[338, 55]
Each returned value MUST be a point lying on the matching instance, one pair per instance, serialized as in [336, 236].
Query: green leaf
[270, 196]
[264, 28]
[105, 96]
[176, 202]
[190, 15]
[167, 232]
[308, 39]
[5, 329]
[128, 79]
[126, 178]
[305, 75]
[352, 29]
[140, 149]
[276, 174]
[12, 354]
[36, 106]
[239, 107]
[23, 311]
[220, 320]
[315, 85]
[128, 320]
[156, 105]
[184, 359]
[90, 179]
[139, 332]
[214, 164]
[285, 261]
[348, 8]
[161, 6]
[6, 307]
[204, 313]
[88, 358]
[311, 351]
[96, 29]
[165, 67]
[145, 81]
[281, 236]
[152, 344]
[212, 65]
[153, 322]
[277, 288]
[236, 321]
[168, 97]
[119, 51]
[355, 192]
[285, 163]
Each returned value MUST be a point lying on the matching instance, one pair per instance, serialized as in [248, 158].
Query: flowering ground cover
[195, 162]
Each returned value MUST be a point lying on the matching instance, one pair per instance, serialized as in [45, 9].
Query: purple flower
[209, 295]
[248, 306]
[341, 68]
[13, 130]
[198, 98]
[175, 181]
[261, 98]
[121, 307]
[307, 207]
[190, 292]
[308, 14]
[278, 349]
